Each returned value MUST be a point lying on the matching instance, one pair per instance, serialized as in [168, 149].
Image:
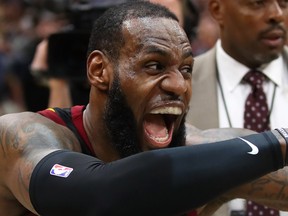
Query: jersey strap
[73, 119]
[65, 115]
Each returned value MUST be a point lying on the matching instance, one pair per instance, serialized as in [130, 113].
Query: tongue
[155, 126]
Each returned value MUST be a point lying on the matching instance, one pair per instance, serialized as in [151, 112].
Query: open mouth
[159, 126]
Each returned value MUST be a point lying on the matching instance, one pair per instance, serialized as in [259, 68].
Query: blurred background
[43, 47]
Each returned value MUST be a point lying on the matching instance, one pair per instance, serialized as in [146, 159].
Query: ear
[98, 71]
[215, 9]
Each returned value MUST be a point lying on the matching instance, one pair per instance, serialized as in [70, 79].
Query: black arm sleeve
[161, 182]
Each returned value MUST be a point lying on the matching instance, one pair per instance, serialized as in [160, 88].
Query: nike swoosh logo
[255, 149]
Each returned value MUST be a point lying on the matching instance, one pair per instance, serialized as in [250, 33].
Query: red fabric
[51, 114]
[193, 213]
[256, 116]
[77, 118]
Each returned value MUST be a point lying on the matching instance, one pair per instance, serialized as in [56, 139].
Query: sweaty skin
[36, 137]
[154, 70]
[158, 67]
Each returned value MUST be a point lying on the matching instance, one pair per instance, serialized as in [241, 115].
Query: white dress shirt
[235, 93]
[231, 73]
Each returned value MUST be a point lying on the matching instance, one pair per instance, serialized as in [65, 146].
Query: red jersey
[73, 119]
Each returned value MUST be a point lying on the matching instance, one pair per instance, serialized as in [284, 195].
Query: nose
[276, 12]
[174, 83]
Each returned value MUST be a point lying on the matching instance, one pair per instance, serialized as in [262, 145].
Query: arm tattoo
[25, 138]
[269, 190]
[276, 196]
[197, 136]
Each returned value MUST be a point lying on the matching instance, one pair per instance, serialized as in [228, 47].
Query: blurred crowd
[24, 24]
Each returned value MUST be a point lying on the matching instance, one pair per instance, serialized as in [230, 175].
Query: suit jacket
[203, 111]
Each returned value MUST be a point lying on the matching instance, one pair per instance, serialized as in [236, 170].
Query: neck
[99, 139]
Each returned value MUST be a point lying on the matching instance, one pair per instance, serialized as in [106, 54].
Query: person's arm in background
[270, 190]
[16, 91]
[59, 93]
[59, 87]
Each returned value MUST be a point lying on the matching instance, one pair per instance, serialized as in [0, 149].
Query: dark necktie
[256, 118]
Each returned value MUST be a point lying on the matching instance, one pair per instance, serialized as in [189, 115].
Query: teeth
[160, 139]
[167, 110]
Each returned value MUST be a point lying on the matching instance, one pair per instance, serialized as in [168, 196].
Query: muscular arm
[270, 190]
[162, 185]
[196, 136]
[24, 140]
[30, 148]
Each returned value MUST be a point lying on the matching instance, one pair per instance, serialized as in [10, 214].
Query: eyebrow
[155, 49]
[188, 53]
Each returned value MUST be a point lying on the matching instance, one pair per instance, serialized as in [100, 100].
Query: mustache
[275, 27]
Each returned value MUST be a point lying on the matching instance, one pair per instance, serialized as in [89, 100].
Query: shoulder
[25, 139]
[285, 51]
[28, 130]
[208, 55]
[26, 120]
[205, 62]
[204, 68]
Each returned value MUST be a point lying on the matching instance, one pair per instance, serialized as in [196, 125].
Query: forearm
[162, 182]
[196, 136]
[59, 93]
[270, 190]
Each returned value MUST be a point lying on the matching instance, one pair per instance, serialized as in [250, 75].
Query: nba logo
[60, 171]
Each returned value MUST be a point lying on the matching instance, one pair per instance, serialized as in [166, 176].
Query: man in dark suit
[252, 36]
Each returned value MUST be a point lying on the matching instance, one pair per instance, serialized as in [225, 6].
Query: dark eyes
[154, 66]
[282, 3]
[258, 2]
[187, 69]
[157, 67]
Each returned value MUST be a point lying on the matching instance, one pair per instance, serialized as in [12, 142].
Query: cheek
[135, 96]
[189, 90]
[132, 89]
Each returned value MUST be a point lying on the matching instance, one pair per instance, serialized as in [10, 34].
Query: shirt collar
[273, 70]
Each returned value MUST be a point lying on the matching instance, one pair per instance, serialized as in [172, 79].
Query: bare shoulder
[197, 136]
[27, 131]
[25, 138]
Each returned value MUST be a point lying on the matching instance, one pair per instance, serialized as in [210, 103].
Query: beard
[121, 124]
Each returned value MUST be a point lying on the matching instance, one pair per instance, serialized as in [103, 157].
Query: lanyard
[225, 103]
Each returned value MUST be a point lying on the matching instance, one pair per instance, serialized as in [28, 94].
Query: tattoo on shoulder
[27, 133]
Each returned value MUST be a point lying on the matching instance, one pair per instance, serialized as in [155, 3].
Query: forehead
[141, 32]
